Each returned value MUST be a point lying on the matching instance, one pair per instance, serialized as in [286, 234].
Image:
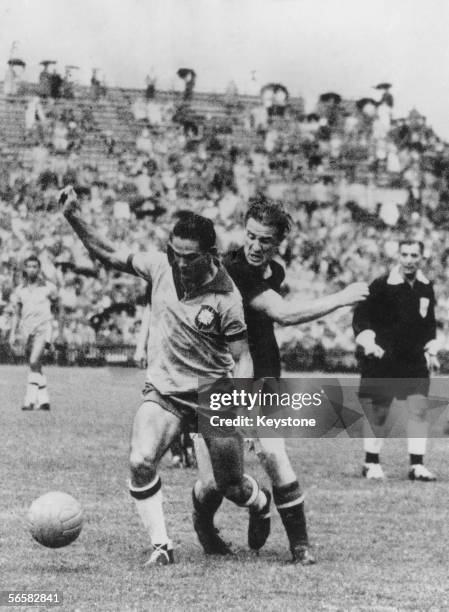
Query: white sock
[372, 445]
[417, 446]
[257, 500]
[148, 500]
[42, 394]
[32, 389]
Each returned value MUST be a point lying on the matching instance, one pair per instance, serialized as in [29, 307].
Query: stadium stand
[352, 176]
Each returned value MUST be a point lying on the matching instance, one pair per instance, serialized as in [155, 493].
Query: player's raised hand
[354, 293]
[68, 200]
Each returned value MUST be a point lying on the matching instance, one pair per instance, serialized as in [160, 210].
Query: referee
[395, 332]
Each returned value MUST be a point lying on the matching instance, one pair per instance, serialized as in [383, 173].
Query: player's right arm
[98, 246]
[293, 312]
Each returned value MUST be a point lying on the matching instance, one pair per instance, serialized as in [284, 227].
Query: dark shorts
[186, 407]
[182, 405]
[384, 390]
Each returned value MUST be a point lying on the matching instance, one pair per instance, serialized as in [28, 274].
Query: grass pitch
[380, 546]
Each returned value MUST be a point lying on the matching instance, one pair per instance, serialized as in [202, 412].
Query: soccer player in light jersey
[259, 277]
[197, 331]
[33, 301]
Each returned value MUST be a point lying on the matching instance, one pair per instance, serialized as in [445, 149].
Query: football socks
[148, 500]
[289, 502]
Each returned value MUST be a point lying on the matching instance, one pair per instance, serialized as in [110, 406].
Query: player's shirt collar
[395, 277]
[221, 283]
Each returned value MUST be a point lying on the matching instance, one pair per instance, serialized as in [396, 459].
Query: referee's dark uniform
[398, 316]
[402, 316]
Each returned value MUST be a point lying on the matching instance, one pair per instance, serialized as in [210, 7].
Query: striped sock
[289, 501]
[257, 500]
[148, 500]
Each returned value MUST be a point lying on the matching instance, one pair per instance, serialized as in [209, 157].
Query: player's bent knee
[234, 492]
[35, 366]
[143, 468]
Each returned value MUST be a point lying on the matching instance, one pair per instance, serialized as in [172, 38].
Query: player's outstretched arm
[95, 243]
[297, 311]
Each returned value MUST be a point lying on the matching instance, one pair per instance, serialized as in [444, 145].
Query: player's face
[191, 262]
[410, 258]
[32, 270]
[261, 243]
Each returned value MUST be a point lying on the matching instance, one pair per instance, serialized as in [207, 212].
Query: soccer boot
[162, 555]
[259, 524]
[209, 536]
[28, 407]
[301, 555]
[44, 406]
[373, 471]
[421, 473]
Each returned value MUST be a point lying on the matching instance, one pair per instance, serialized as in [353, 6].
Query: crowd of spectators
[353, 177]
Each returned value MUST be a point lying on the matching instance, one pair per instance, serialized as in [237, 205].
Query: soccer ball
[55, 519]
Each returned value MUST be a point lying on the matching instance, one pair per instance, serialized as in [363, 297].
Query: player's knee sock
[42, 394]
[206, 502]
[289, 501]
[257, 500]
[148, 500]
[31, 396]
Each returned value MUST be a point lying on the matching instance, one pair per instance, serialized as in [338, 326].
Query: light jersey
[35, 300]
[189, 334]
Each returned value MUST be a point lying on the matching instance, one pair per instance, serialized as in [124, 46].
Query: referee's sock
[372, 447]
[289, 502]
[148, 500]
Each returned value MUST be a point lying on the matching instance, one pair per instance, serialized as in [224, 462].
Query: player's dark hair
[409, 241]
[271, 213]
[32, 258]
[195, 227]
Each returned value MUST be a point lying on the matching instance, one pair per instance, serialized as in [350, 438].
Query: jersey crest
[423, 306]
[206, 317]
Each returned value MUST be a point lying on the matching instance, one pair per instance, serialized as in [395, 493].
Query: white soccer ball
[55, 519]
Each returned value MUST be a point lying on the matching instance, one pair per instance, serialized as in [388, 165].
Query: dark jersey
[261, 339]
[403, 318]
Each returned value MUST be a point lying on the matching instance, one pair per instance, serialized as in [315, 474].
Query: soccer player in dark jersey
[259, 277]
[395, 328]
[197, 330]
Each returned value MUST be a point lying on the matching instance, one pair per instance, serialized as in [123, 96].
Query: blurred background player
[259, 278]
[33, 302]
[182, 453]
[395, 329]
[197, 330]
